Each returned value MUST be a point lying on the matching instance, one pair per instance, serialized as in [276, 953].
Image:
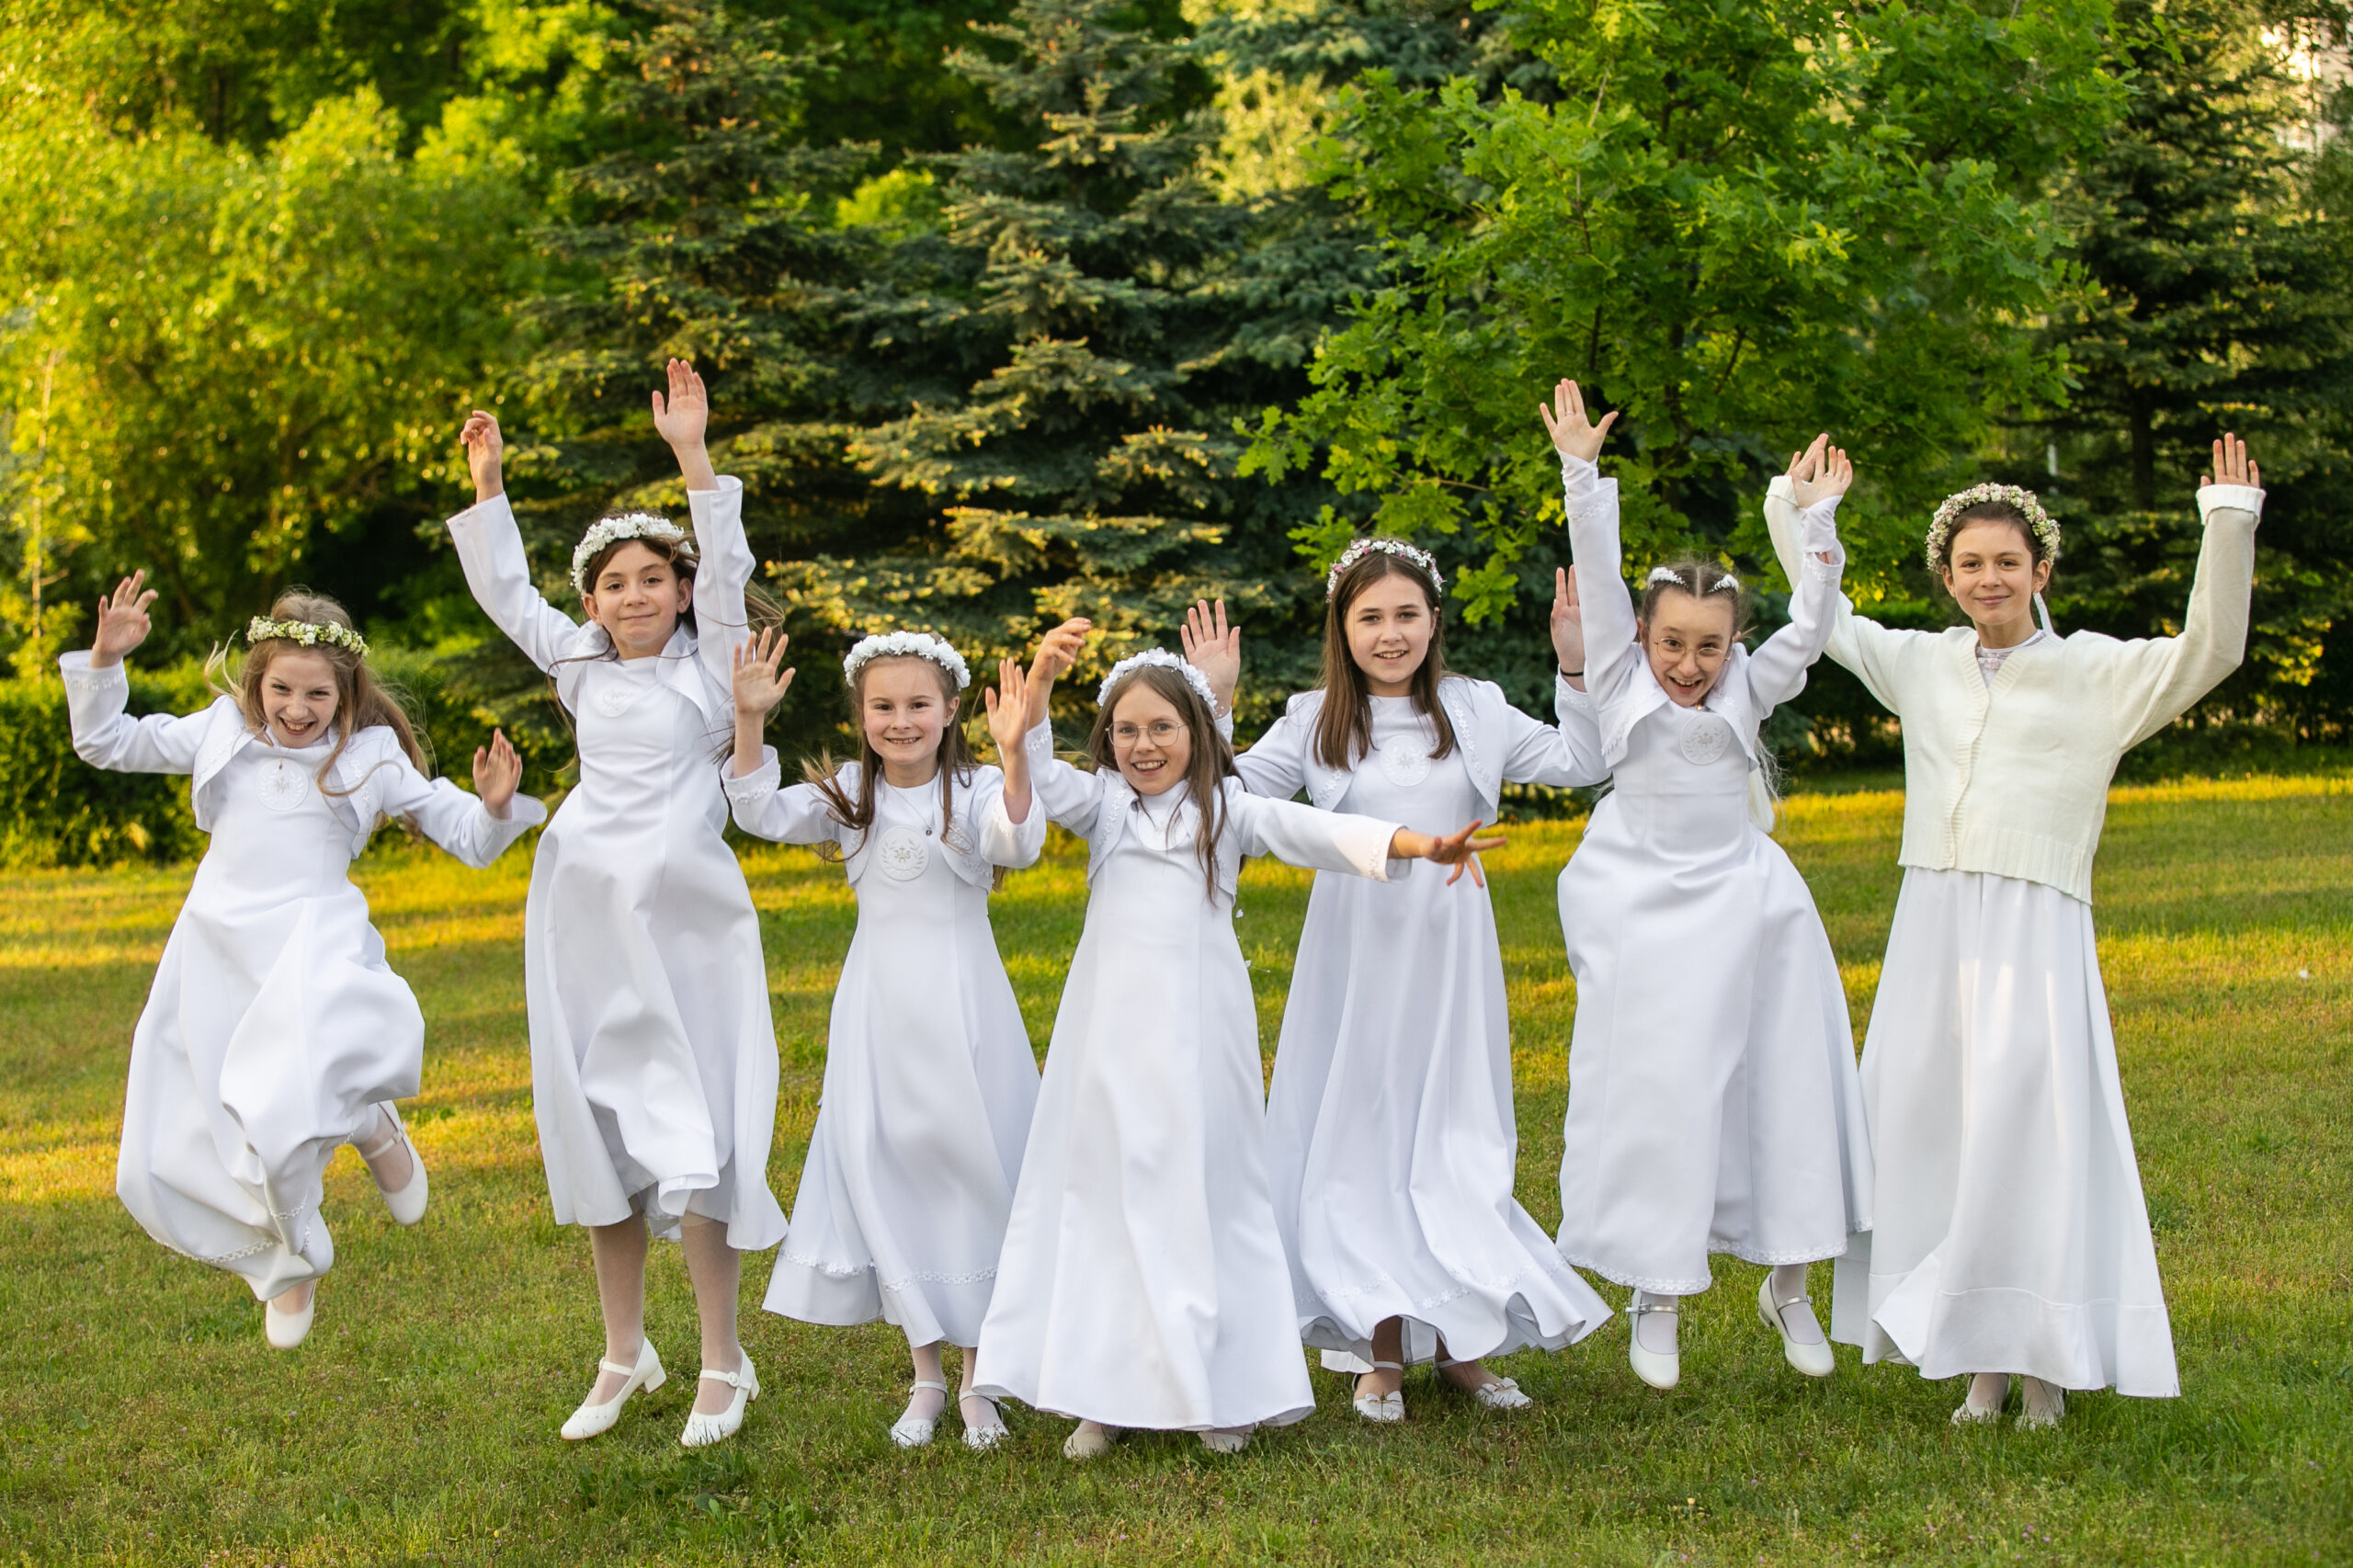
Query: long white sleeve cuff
[2213, 498]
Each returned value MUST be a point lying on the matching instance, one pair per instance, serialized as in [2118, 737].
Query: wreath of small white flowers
[1397, 547]
[309, 633]
[1165, 660]
[905, 645]
[607, 531]
[1941, 526]
[1669, 574]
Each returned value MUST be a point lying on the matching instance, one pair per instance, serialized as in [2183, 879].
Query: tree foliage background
[1022, 308]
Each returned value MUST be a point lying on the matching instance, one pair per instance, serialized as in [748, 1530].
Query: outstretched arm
[1777, 672]
[97, 688]
[475, 828]
[490, 549]
[758, 688]
[1605, 609]
[725, 563]
[2158, 679]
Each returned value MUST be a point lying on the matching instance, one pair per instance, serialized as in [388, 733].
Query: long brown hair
[361, 701]
[957, 763]
[1213, 759]
[1344, 728]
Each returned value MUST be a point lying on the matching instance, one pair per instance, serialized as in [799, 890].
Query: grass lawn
[142, 1420]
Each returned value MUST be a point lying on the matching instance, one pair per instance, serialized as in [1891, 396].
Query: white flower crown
[1941, 526]
[905, 645]
[1669, 574]
[609, 531]
[1361, 548]
[310, 634]
[1164, 659]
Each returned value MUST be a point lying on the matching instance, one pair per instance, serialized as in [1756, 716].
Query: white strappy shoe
[717, 1427]
[284, 1331]
[593, 1419]
[983, 1434]
[1227, 1440]
[1660, 1370]
[912, 1431]
[408, 1204]
[1814, 1360]
[1082, 1444]
[1503, 1393]
[1383, 1408]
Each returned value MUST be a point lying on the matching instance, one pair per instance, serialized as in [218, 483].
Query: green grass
[143, 1420]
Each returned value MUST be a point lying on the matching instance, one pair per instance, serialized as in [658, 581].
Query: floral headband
[610, 531]
[309, 633]
[1165, 660]
[1397, 547]
[906, 645]
[1941, 526]
[1669, 574]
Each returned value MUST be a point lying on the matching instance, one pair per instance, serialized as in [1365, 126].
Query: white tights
[1654, 1331]
[713, 1268]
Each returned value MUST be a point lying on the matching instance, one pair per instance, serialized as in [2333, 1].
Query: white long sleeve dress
[929, 1076]
[1144, 1282]
[2010, 1233]
[654, 1068]
[274, 1029]
[1390, 1131]
[1713, 1102]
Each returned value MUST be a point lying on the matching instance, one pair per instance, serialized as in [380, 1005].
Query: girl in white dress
[929, 1076]
[1713, 1105]
[653, 1066]
[1144, 1282]
[275, 1032]
[2010, 1234]
[1391, 1135]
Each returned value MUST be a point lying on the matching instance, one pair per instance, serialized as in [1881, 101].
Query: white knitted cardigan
[2011, 777]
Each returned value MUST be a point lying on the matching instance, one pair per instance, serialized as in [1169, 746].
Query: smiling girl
[653, 1066]
[1144, 1282]
[1391, 1134]
[929, 1074]
[1713, 1105]
[2011, 1236]
[274, 1032]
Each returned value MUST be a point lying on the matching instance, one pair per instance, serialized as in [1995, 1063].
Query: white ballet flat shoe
[719, 1425]
[1661, 1371]
[2045, 1406]
[1503, 1393]
[912, 1431]
[982, 1435]
[284, 1331]
[1813, 1360]
[1086, 1444]
[591, 1420]
[1229, 1440]
[407, 1205]
[1383, 1408]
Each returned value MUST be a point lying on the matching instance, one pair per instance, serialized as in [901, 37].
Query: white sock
[1654, 1332]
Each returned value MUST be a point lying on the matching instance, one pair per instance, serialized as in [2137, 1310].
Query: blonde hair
[362, 701]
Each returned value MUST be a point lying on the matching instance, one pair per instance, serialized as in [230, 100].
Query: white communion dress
[2011, 1234]
[654, 1068]
[929, 1076]
[1391, 1136]
[274, 1027]
[1713, 1100]
[1144, 1282]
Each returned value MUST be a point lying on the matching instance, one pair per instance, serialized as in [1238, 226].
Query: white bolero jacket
[380, 779]
[980, 839]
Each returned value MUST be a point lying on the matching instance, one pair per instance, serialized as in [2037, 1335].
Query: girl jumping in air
[1713, 1105]
[275, 1032]
[1391, 1137]
[1144, 1282]
[653, 1066]
[929, 1076]
[2011, 1236]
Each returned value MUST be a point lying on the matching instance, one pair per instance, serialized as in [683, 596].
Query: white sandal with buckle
[1386, 1408]
[593, 1419]
[981, 1436]
[407, 1204]
[1661, 1369]
[1503, 1393]
[1814, 1360]
[912, 1431]
[719, 1424]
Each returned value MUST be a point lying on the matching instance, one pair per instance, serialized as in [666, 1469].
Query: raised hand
[2231, 465]
[1214, 649]
[485, 454]
[1008, 705]
[496, 772]
[1573, 435]
[123, 622]
[1568, 623]
[1057, 652]
[682, 421]
[758, 687]
[1819, 472]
